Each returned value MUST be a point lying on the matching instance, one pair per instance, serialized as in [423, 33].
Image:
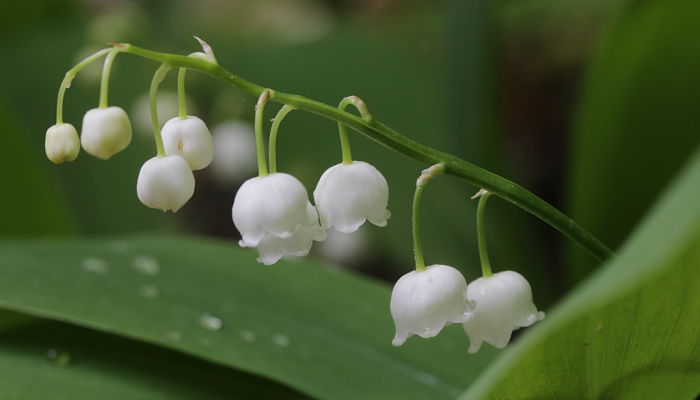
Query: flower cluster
[489, 308]
[273, 213]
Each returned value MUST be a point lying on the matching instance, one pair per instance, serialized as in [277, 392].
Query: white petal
[423, 302]
[165, 183]
[105, 131]
[503, 304]
[189, 138]
[274, 204]
[349, 194]
[62, 143]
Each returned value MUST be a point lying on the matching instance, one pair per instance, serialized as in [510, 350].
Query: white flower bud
[234, 152]
[503, 304]
[165, 183]
[349, 194]
[273, 213]
[106, 131]
[423, 302]
[62, 143]
[189, 138]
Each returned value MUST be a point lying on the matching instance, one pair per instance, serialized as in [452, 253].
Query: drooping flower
[165, 183]
[424, 301]
[349, 194]
[62, 143]
[273, 213]
[189, 138]
[105, 131]
[503, 303]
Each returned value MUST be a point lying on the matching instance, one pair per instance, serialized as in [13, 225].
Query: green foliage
[629, 332]
[321, 331]
[638, 119]
[49, 360]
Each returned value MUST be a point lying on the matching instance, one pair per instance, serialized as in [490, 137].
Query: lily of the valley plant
[274, 214]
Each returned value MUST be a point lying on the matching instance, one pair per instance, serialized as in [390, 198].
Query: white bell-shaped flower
[189, 138]
[62, 143]
[423, 302]
[273, 213]
[503, 303]
[349, 194]
[105, 131]
[165, 183]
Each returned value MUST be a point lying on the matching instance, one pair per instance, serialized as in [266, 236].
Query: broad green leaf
[638, 118]
[629, 332]
[50, 360]
[321, 331]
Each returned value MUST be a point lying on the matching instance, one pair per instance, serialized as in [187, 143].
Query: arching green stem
[68, 78]
[342, 130]
[286, 109]
[423, 180]
[158, 77]
[259, 139]
[481, 233]
[390, 138]
[106, 71]
[181, 97]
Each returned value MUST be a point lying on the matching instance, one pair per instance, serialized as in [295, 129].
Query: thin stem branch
[481, 233]
[272, 151]
[259, 139]
[106, 71]
[417, 238]
[342, 130]
[158, 77]
[390, 138]
[426, 176]
[181, 97]
[68, 78]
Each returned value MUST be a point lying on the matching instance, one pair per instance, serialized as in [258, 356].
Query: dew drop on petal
[247, 336]
[58, 358]
[150, 291]
[96, 265]
[147, 265]
[280, 340]
[210, 322]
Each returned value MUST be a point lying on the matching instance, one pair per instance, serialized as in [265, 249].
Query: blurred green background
[591, 104]
[497, 83]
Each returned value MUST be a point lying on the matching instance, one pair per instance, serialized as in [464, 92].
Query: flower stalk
[259, 139]
[483, 196]
[158, 77]
[272, 151]
[495, 184]
[68, 78]
[342, 130]
[181, 97]
[423, 180]
[104, 83]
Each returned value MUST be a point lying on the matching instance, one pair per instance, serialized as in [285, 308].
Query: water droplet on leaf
[96, 265]
[210, 322]
[280, 340]
[147, 265]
